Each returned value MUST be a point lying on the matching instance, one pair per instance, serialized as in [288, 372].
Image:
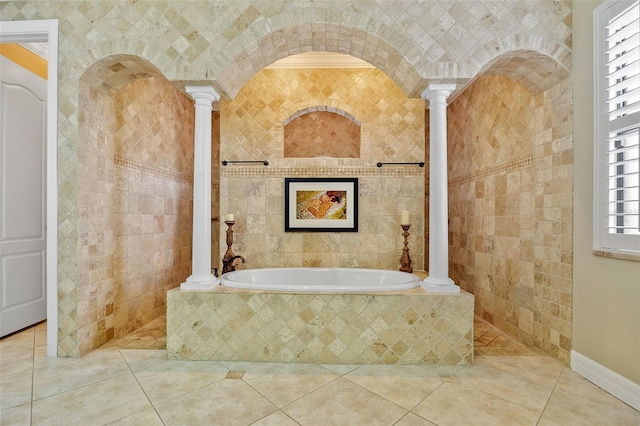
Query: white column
[438, 280]
[201, 277]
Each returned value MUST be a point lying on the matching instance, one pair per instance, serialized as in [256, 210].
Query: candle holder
[227, 259]
[405, 259]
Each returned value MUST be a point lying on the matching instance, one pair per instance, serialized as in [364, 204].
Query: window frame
[604, 241]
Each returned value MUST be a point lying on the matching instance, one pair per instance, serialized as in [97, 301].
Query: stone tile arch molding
[322, 108]
[224, 43]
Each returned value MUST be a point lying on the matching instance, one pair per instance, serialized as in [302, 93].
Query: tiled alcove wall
[392, 131]
[510, 168]
[137, 166]
[322, 134]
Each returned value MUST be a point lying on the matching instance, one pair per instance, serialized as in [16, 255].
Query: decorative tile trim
[153, 170]
[321, 171]
[519, 163]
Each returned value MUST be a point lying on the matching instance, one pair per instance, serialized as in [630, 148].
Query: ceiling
[320, 60]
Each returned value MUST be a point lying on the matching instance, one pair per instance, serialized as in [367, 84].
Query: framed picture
[321, 204]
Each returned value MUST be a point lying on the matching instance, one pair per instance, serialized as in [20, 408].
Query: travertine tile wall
[510, 208]
[137, 180]
[392, 131]
[553, 236]
[226, 43]
[92, 313]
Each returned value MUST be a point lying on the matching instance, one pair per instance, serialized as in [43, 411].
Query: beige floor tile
[455, 404]
[139, 360]
[169, 379]
[16, 352]
[284, 383]
[548, 421]
[95, 404]
[525, 387]
[150, 336]
[275, 419]
[147, 417]
[413, 420]
[342, 402]
[576, 401]
[540, 364]
[22, 340]
[227, 402]
[15, 389]
[63, 374]
[15, 361]
[16, 416]
[405, 385]
[40, 334]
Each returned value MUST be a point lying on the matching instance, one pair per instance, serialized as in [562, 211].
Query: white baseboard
[620, 387]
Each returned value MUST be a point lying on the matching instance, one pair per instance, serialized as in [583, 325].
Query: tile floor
[130, 382]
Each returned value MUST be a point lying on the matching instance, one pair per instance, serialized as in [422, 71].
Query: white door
[22, 197]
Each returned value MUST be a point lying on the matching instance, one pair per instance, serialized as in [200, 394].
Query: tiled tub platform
[408, 327]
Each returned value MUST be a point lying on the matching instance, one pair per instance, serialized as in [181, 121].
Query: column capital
[434, 90]
[203, 92]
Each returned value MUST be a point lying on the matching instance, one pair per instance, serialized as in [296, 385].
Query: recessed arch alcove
[135, 159]
[510, 166]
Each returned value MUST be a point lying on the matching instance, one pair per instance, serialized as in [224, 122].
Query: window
[617, 126]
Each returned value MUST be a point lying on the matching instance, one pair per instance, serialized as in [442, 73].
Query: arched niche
[321, 131]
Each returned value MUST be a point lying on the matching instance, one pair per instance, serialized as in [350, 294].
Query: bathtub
[334, 280]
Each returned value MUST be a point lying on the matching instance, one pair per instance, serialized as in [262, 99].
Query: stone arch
[310, 105]
[111, 73]
[397, 64]
[536, 71]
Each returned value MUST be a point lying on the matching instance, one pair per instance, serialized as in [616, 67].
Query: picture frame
[321, 204]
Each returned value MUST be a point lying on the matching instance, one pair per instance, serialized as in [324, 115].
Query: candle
[229, 217]
[405, 217]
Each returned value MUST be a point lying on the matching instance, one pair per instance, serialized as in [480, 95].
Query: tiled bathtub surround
[410, 327]
[510, 207]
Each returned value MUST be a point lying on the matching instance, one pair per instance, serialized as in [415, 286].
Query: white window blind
[617, 210]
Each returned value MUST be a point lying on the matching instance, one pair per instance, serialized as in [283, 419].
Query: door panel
[22, 197]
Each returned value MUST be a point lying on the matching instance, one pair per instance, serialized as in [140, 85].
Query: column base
[440, 285]
[200, 283]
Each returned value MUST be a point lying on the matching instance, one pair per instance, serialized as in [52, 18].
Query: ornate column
[201, 277]
[438, 280]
